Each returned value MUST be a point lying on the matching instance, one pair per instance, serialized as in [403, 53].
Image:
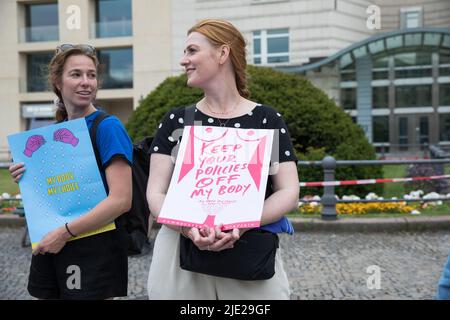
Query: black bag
[134, 221]
[252, 258]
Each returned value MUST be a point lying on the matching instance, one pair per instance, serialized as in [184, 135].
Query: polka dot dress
[261, 117]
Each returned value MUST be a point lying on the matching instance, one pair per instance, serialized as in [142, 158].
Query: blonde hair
[56, 68]
[221, 32]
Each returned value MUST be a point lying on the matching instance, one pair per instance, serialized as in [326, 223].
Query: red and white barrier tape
[368, 181]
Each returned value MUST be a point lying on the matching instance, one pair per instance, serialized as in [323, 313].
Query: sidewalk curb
[435, 223]
[373, 224]
[11, 220]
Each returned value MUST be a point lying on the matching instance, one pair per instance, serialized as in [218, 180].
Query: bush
[316, 124]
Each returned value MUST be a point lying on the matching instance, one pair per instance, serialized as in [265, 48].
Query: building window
[117, 68]
[381, 63]
[444, 71]
[41, 22]
[413, 96]
[403, 133]
[444, 94]
[349, 75]
[413, 73]
[444, 57]
[424, 130]
[411, 18]
[380, 74]
[380, 128]
[35, 123]
[37, 71]
[444, 63]
[271, 46]
[444, 127]
[38, 110]
[413, 65]
[380, 97]
[348, 98]
[380, 69]
[113, 18]
[412, 59]
[38, 114]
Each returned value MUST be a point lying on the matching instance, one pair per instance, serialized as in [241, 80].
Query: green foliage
[7, 184]
[316, 124]
[172, 92]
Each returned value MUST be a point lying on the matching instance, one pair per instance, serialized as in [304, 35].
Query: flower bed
[9, 204]
[360, 208]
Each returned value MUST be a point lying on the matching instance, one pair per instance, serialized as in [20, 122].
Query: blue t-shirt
[112, 142]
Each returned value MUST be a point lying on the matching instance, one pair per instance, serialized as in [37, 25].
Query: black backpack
[134, 221]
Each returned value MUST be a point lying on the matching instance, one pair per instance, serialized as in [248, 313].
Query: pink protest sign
[220, 177]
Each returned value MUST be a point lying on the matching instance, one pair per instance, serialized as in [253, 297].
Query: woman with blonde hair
[215, 61]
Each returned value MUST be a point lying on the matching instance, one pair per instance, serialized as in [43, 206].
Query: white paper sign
[220, 177]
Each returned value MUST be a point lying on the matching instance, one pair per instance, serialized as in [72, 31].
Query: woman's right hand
[203, 238]
[16, 170]
[223, 240]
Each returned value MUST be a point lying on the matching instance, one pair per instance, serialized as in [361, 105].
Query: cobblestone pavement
[319, 265]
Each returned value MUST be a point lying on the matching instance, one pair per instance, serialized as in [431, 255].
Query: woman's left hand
[52, 242]
[226, 240]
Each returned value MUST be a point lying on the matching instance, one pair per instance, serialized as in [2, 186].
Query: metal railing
[389, 149]
[329, 165]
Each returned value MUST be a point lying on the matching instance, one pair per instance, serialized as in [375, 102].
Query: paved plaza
[320, 265]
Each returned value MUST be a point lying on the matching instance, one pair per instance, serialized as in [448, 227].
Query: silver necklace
[222, 124]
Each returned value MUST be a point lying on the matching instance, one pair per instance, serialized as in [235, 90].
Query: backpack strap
[93, 133]
[189, 115]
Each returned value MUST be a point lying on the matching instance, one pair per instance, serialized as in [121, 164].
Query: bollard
[328, 198]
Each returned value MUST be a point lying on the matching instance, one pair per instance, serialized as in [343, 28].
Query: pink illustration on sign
[209, 221]
[247, 136]
[33, 144]
[65, 136]
[188, 161]
[212, 208]
[256, 163]
[209, 134]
